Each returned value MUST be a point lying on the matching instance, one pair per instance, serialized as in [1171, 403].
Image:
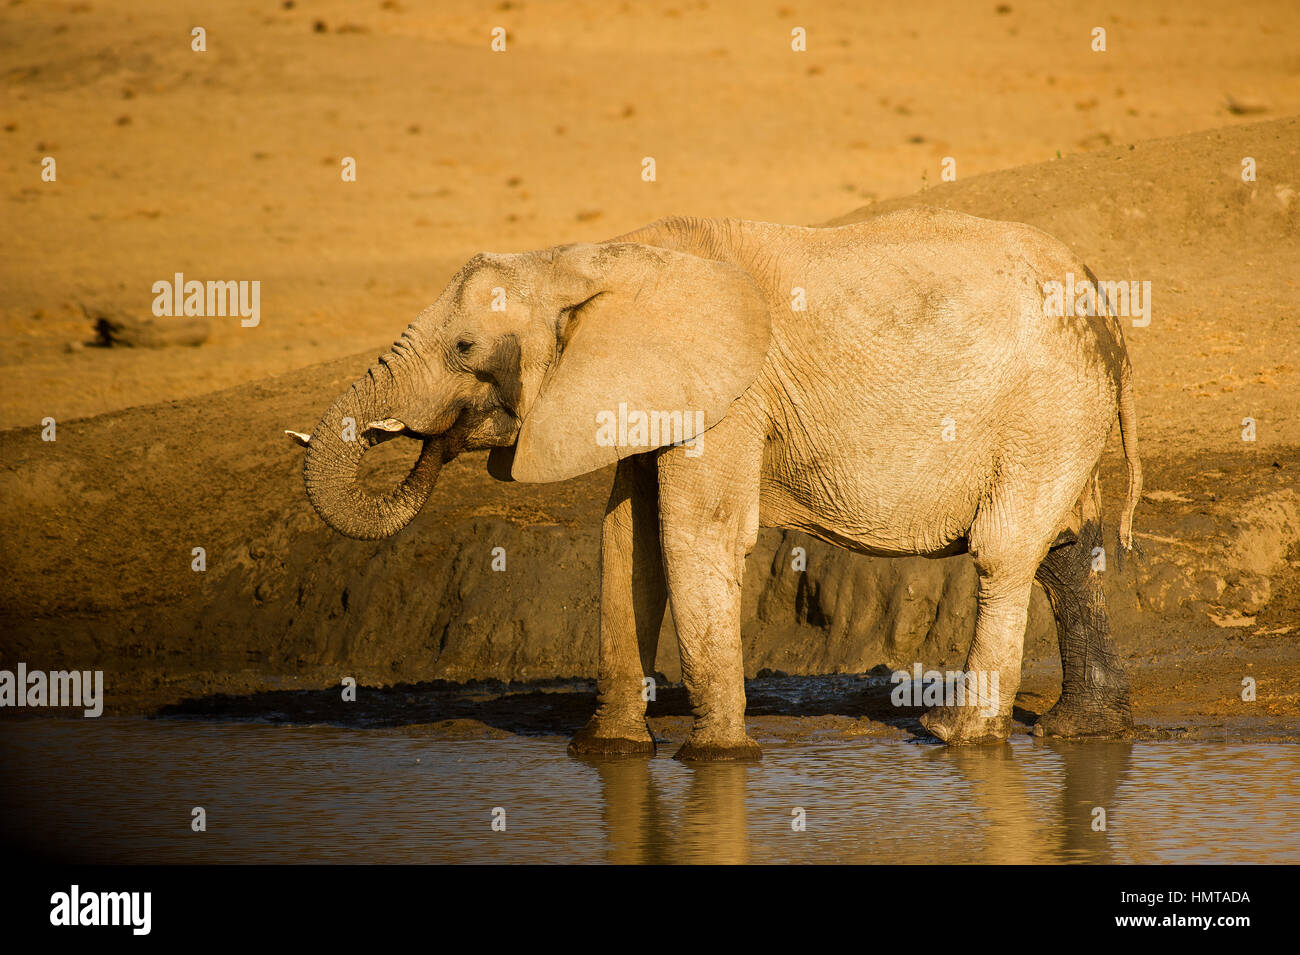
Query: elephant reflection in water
[1024, 822]
[709, 828]
[1023, 827]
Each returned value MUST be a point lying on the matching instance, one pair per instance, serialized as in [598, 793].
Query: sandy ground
[226, 165]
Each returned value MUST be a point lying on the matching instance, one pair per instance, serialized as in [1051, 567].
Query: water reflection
[1029, 813]
[642, 828]
[121, 791]
[1032, 818]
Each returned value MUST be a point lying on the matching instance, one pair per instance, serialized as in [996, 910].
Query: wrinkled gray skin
[921, 403]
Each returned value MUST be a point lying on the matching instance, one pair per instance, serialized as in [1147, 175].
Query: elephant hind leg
[632, 599]
[992, 673]
[1094, 697]
[1004, 542]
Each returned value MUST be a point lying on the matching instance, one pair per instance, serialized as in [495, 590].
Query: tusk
[299, 438]
[388, 424]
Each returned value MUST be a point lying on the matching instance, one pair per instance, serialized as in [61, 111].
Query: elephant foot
[1076, 716]
[966, 724]
[602, 739]
[734, 749]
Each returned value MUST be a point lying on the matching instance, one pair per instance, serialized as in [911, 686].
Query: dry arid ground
[225, 164]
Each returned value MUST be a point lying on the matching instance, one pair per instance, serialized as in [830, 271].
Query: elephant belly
[869, 503]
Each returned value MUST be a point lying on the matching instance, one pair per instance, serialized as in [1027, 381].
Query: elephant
[895, 387]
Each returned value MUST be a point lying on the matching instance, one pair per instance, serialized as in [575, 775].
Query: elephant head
[527, 354]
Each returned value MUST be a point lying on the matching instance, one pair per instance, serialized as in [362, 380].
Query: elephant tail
[1127, 417]
[1128, 437]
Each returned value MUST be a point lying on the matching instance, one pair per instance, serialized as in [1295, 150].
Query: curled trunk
[332, 465]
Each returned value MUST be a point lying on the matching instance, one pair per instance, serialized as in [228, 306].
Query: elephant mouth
[498, 430]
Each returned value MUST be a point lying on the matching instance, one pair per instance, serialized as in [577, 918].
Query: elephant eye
[464, 345]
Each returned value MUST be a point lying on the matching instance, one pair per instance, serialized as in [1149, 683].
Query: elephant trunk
[334, 456]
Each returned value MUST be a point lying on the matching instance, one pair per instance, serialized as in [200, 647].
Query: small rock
[1239, 107]
[116, 328]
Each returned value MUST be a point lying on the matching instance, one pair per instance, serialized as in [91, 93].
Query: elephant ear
[647, 337]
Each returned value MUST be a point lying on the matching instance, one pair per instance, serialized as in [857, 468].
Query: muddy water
[123, 790]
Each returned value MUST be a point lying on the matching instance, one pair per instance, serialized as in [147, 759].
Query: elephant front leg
[710, 522]
[706, 611]
[632, 597]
